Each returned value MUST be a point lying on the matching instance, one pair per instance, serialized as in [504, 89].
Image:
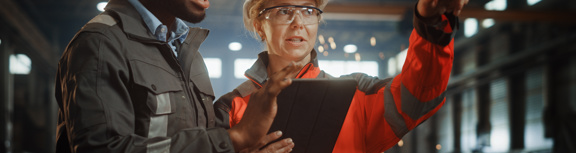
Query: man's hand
[282, 146]
[432, 8]
[261, 110]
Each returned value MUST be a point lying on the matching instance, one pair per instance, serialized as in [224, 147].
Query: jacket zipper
[189, 101]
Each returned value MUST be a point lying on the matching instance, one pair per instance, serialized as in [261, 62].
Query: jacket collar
[258, 73]
[134, 26]
[154, 25]
[130, 20]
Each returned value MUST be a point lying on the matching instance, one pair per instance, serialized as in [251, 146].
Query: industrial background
[512, 87]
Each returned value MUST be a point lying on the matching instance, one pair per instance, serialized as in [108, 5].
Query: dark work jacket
[120, 90]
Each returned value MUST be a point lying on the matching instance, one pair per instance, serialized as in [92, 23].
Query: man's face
[192, 11]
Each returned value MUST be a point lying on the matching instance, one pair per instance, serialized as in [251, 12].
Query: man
[132, 80]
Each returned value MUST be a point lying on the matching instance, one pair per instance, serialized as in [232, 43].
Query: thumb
[434, 3]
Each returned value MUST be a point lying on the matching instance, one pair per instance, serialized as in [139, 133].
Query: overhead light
[20, 64]
[532, 2]
[496, 5]
[400, 143]
[350, 48]
[333, 45]
[101, 6]
[321, 39]
[320, 49]
[235, 46]
[487, 23]
[357, 57]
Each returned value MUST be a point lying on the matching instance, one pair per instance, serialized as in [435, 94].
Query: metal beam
[29, 32]
[521, 15]
[394, 12]
[364, 12]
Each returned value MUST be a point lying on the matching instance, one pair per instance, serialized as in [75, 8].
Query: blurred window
[214, 66]
[469, 120]
[337, 68]
[534, 129]
[241, 65]
[499, 116]
[446, 128]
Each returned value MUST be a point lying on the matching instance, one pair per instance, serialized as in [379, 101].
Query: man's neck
[165, 17]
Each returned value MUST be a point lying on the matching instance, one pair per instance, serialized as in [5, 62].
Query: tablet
[312, 111]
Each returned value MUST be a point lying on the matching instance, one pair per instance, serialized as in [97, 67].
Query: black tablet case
[312, 111]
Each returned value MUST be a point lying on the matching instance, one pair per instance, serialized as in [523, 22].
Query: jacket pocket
[161, 85]
[203, 84]
[199, 78]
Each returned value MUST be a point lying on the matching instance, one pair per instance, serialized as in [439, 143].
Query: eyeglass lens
[286, 15]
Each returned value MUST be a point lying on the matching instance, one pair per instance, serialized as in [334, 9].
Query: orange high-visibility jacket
[382, 110]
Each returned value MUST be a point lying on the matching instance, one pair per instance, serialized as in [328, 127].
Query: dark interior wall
[4, 92]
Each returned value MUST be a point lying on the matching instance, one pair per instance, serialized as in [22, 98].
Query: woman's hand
[282, 146]
[432, 8]
[261, 110]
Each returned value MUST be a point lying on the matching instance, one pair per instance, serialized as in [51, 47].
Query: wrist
[236, 138]
[427, 18]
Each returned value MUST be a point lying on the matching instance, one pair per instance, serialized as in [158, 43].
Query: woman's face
[291, 41]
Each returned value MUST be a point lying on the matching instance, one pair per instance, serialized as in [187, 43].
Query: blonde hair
[252, 8]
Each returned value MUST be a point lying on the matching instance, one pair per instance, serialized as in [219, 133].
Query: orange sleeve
[237, 111]
[417, 92]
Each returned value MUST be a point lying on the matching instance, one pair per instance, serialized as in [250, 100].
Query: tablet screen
[312, 111]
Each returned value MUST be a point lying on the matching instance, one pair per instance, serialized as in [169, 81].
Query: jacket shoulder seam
[246, 88]
[105, 19]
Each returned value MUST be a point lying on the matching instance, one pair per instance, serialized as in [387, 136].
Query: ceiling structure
[58, 20]
[52, 23]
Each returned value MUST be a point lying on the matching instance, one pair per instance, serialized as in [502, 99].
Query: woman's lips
[296, 41]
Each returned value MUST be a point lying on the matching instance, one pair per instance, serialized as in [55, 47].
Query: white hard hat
[249, 4]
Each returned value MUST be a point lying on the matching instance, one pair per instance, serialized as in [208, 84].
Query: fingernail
[279, 133]
[289, 140]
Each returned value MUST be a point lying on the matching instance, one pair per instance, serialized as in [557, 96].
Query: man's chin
[194, 18]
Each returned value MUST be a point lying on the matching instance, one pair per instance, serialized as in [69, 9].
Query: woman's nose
[297, 21]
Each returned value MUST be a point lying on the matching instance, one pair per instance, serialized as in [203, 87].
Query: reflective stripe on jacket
[120, 90]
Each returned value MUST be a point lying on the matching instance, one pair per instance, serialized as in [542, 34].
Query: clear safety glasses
[285, 14]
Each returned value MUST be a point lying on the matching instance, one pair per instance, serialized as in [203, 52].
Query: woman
[382, 110]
